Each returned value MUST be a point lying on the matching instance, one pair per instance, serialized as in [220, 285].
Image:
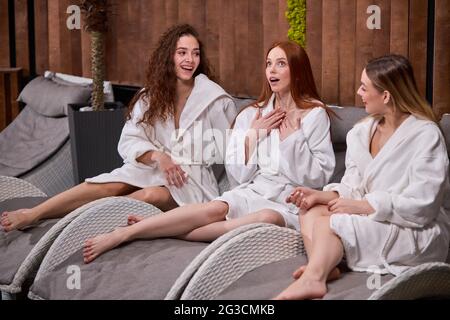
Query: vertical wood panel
[399, 27]
[364, 43]
[211, 39]
[270, 22]
[21, 26]
[241, 48]
[283, 25]
[41, 35]
[4, 35]
[227, 43]
[54, 52]
[314, 39]
[418, 41]
[135, 47]
[330, 45]
[171, 12]
[121, 45]
[347, 25]
[441, 95]
[257, 51]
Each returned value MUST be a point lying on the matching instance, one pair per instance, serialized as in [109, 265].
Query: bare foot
[303, 288]
[15, 220]
[132, 219]
[334, 274]
[94, 247]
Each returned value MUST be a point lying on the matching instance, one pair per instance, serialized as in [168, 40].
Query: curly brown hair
[159, 92]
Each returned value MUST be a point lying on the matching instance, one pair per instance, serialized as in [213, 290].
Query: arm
[307, 156]
[420, 201]
[236, 164]
[350, 184]
[134, 144]
[220, 121]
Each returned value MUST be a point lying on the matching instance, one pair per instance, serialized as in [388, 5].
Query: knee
[272, 217]
[150, 195]
[217, 210]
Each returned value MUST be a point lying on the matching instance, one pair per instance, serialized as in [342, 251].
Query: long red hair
[302, 85]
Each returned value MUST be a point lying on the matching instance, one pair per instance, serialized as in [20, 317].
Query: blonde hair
[394, 73]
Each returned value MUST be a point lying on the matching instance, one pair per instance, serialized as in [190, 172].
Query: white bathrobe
[305, 158]
[196, 146]
[407, 184]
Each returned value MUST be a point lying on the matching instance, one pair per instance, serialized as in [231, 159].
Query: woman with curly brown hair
[174, 134]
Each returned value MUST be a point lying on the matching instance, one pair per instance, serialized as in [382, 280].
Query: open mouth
[187, 68]
[273, 80]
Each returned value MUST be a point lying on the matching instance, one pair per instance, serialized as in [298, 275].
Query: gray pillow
[349, 116]
[50, 98]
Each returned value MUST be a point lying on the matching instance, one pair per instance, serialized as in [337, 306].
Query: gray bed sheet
[16, 245]
[267, 281]
[140, 270]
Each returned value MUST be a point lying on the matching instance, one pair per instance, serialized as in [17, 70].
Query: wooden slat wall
[4, 35]
[236, 34]
[441, 94]
[339, 45]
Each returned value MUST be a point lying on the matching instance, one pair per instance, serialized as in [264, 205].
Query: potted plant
[95, 130]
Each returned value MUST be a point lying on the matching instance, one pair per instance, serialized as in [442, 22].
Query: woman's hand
[350, 206]
[304, 198]
[264, 124]
[173, 172]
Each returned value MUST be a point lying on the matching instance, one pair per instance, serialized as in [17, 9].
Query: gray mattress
[138, 270]
[16, 245]
[267, 281]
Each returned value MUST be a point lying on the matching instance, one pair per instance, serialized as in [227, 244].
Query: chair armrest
[232, 255]
[11, 188]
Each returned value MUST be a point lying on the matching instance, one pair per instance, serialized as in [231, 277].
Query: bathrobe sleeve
[221, 120]
[419, 202]
[134, 140]
[225, 112]
[235, 164]
[307, 156]
[350, 185]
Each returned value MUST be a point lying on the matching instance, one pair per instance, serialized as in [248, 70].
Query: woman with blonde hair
[391, 211]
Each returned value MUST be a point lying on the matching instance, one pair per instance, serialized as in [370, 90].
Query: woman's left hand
[350, 206]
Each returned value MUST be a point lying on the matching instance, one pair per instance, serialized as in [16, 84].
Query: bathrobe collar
[204, 93]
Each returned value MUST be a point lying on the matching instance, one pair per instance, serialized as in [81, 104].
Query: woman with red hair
[280, 142]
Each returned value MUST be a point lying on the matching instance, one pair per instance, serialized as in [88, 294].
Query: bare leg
[173, 223]
[306, 225]
[63, 203]
[160, 197]
[212, 231]
[326, 252]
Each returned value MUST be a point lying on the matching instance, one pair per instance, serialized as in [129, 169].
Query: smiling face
[374, 100]
[187, 57]
[277, 71]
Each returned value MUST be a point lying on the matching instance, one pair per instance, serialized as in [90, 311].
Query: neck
[285, 100]
[393, 120]
[184, 88]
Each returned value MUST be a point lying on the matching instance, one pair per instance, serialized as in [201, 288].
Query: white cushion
[107, 85]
